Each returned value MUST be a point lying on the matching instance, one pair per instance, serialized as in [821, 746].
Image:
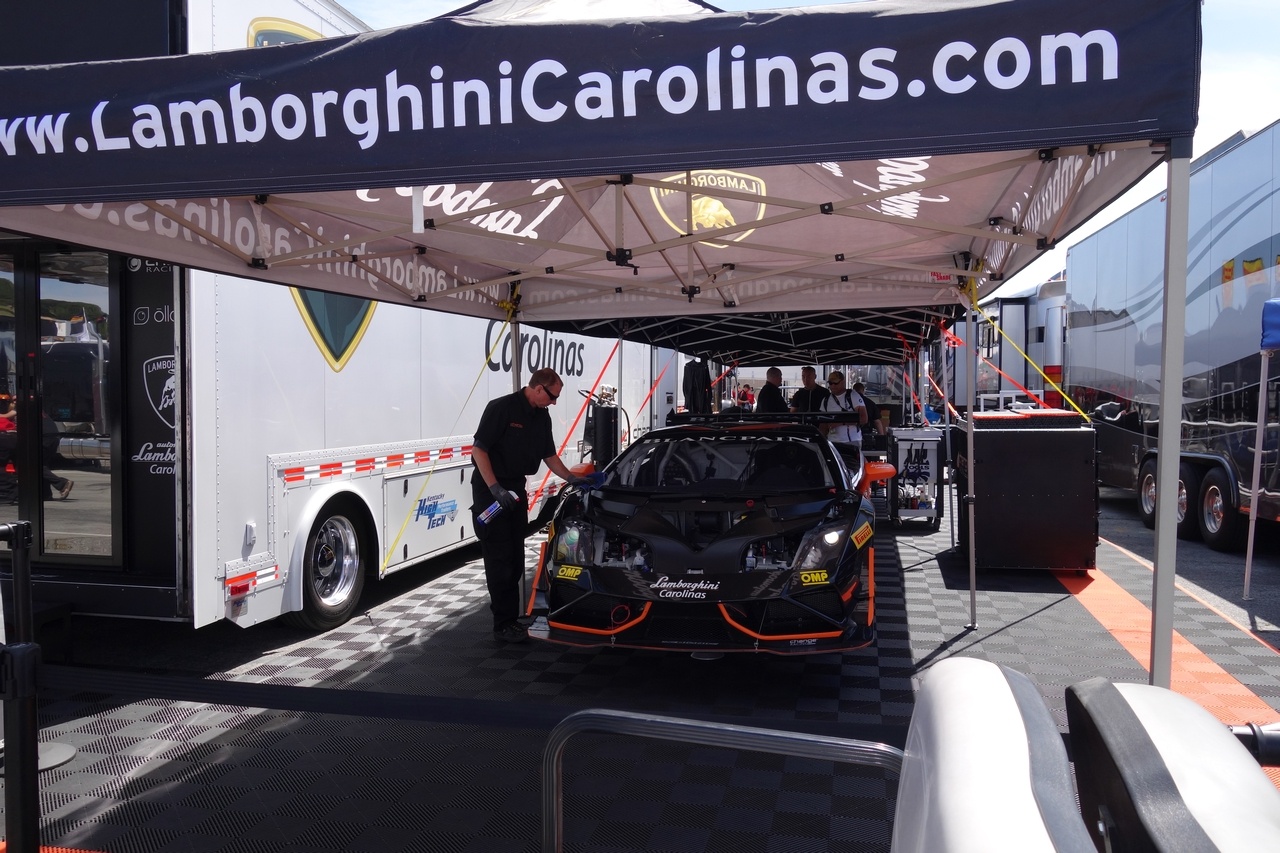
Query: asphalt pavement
[1214, 577]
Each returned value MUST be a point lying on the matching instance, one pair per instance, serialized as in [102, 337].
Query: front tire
[1222, 526]
[333, 569]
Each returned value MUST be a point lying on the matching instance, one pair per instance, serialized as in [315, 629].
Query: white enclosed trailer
[242, 450]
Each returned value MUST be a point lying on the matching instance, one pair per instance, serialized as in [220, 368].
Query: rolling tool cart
[916, 492]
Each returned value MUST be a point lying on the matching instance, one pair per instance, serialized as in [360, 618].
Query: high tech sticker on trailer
[436, 510]
[862, 534]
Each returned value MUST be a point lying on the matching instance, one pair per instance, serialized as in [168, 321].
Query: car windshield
[728, 462]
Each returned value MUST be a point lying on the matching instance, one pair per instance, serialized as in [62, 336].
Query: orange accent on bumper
[605, 632]
[818, 636]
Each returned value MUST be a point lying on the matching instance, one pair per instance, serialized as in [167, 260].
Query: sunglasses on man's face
[553, 397]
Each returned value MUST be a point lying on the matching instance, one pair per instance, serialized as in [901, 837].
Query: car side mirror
[878, 472]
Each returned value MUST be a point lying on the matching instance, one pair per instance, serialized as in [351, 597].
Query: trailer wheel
[1188, 485]
[333, 569]
[1188, 491]
[1221, 525]
[1147, 493]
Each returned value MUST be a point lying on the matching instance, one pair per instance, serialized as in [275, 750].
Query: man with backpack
[842, 399]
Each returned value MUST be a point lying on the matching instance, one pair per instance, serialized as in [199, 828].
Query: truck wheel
[333, 569]
[1188, 485]
[1222, 526]
[1188, 491]
[1147, 494]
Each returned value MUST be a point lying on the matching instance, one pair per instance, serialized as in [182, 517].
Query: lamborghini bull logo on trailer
[711, 210]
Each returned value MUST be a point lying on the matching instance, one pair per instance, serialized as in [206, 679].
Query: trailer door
[55, 329]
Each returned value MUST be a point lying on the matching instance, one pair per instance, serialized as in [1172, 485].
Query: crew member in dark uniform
[769, 401]
[512, 439]
[810, 397]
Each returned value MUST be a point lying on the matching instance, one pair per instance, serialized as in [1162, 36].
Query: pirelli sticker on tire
[568, 573]
[862, 534]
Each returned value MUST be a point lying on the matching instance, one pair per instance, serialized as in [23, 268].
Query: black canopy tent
[834, 179]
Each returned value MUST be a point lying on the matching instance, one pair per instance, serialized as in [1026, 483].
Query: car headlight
[575, 543]
[821, 546]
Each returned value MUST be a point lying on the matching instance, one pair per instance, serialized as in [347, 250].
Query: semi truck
[1115, 332]
[1109, 310]
[241, 451]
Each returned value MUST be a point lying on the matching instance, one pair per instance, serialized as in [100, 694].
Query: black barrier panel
[1035, 498]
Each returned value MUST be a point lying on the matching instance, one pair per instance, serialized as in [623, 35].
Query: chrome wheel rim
[1213, 509]
[335, 561]
[1148, 492]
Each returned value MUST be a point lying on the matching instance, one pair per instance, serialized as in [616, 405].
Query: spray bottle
[495, 508]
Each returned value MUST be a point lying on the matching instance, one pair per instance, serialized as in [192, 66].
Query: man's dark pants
[502, 548]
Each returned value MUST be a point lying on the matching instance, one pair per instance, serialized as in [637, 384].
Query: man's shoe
[512, 632]
[66, 490]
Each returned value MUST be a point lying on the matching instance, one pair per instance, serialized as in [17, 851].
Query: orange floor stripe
[4, 845]
[1192, 674]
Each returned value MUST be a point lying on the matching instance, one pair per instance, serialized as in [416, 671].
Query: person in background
[842, 399]
[769, 401]
[8, 450]
[746, 398]
[809, 398]
[876, 423]
[511, 440]
[50, 438]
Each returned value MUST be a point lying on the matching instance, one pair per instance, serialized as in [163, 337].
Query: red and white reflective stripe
[246, 583]
[370, 464]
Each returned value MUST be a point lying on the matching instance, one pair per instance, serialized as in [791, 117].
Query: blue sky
[1239, 89]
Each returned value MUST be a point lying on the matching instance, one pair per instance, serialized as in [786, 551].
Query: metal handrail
[799, 744]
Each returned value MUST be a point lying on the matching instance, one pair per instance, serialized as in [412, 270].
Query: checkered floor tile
[159, 775]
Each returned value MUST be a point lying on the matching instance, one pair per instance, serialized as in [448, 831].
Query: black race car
[735, 536]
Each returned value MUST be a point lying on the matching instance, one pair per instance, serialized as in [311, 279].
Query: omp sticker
[862, 534]
[568, 573]
[812, 578]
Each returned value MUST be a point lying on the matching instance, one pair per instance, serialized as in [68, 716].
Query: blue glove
[590, 481]
[504, 497]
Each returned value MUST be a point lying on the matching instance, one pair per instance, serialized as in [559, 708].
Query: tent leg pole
[1171, 370]
[946, 434]
[1258, 437]
[971, 331]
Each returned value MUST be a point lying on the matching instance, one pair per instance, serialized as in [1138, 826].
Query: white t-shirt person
[842, 399]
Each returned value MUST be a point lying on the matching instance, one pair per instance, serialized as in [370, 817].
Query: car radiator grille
[780, 617]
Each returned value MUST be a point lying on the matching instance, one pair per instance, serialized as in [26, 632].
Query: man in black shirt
[769, 401]
[512, 439]
[875, 424]
[810, 397]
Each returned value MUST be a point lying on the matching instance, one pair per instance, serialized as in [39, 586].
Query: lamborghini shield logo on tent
[714, 208]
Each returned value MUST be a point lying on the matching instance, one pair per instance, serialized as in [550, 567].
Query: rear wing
[734, 415]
